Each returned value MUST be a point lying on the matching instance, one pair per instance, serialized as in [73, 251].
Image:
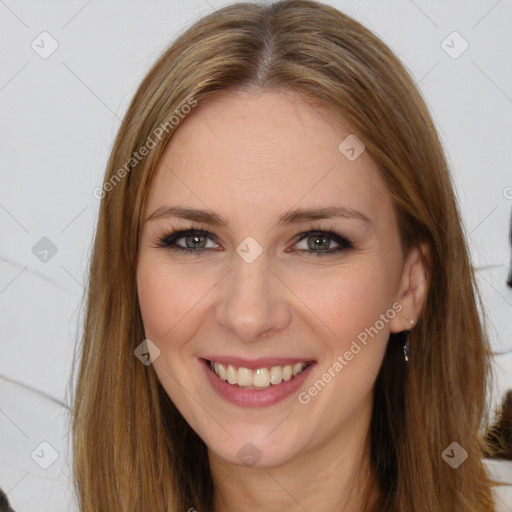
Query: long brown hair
[132, 449]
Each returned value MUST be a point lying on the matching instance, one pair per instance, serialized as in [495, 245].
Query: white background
[59, 118]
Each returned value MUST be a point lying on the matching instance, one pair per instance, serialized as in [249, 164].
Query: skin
[250, 157]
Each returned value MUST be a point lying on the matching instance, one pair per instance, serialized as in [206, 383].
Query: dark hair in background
[4, 503]
[499, 437]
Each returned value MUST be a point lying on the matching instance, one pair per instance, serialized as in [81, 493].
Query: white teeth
[276, 375]
[231, 375]
[297, 368]
[260, 378]
[244, 377]
[221, 372]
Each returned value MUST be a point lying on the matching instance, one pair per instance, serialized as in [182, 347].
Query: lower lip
[254, 397]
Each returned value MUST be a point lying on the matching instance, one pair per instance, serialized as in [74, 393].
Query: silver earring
[406, 345]
[407, 342]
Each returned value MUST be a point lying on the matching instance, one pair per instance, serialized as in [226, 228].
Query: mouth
[256, 383]
[257, 378]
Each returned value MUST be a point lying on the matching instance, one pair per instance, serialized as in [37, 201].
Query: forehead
[267, 151]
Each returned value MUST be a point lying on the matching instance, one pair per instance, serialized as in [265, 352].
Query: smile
[266, 382]
[259, 378]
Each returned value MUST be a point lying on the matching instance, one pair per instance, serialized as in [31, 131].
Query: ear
[412, 291]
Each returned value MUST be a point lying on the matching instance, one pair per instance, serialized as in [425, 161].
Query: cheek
[172, 301]
[350, 303]
[161, 299]
[346, 300]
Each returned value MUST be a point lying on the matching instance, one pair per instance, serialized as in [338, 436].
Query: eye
[319, 241]
[195, 241]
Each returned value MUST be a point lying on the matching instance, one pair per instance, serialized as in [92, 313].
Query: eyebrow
[295, 216]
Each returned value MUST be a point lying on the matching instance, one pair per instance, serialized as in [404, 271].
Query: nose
[253, 301]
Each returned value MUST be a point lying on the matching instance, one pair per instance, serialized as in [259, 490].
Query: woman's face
[260, 295]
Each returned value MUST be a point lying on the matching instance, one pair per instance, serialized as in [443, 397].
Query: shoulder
[501, 471]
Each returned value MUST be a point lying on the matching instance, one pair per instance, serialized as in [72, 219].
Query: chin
[245, 453]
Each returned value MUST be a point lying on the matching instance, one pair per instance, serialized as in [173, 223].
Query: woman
[281, 308]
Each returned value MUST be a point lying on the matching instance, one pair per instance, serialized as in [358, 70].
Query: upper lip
[262, 362]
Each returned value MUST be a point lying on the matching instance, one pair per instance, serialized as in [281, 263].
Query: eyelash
[168, 241]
